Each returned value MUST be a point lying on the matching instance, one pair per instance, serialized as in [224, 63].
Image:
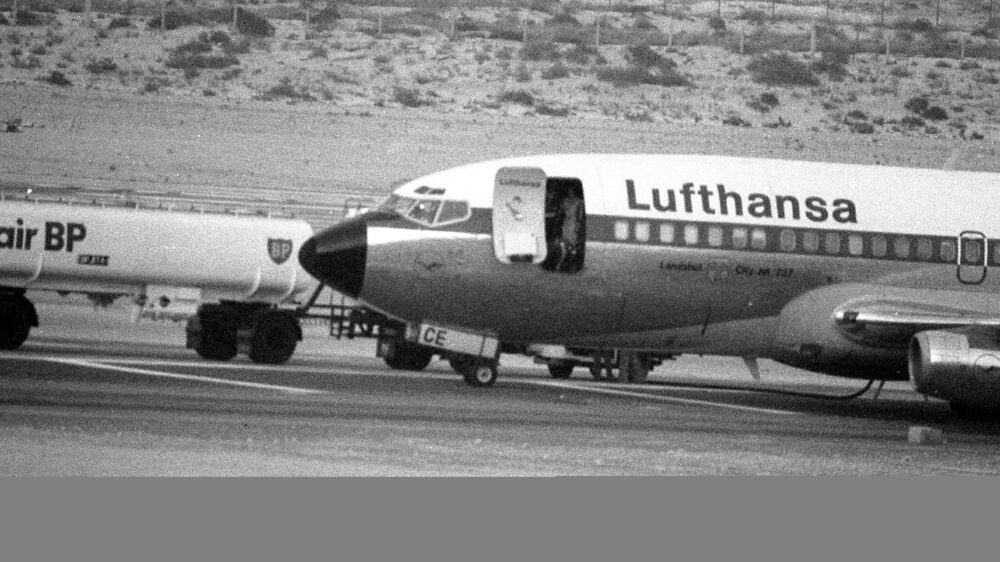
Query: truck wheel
[481, 373]
[561, 370]
[15, 322]
[219, 324]
[274, 338]
[403, 355]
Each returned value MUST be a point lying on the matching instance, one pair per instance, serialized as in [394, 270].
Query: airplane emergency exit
[858, 271]
[224, 272]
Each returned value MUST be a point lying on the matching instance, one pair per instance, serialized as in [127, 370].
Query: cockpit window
[427, 211]
[453, 211]
[397, 204]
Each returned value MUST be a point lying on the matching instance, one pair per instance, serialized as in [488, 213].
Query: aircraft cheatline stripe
[634, 231]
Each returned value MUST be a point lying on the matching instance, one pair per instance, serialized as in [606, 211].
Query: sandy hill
[449, 60]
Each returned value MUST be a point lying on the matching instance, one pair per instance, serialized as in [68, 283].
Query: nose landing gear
[402, 355]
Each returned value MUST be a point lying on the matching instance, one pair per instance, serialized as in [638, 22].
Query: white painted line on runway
[122, 365]
[655, 397]
[164, 374]
[580, 386]
[82, 345]
[215, 365]
[284, 369]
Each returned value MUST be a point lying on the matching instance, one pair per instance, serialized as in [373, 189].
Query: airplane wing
[896, 322]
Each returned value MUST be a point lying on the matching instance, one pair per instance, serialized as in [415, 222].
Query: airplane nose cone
[337, 255]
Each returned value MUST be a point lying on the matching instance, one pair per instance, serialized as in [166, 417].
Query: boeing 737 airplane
[858, 271]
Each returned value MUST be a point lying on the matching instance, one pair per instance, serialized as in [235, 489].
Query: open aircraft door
[519, 215]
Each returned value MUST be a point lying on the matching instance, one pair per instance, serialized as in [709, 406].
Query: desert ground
[343, 107]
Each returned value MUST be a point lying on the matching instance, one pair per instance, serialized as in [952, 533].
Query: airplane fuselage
[683, 254]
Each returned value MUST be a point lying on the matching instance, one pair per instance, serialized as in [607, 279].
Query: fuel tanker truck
[225, 273]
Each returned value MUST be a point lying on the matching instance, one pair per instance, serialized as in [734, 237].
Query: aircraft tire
[481, 374]
[15, 323]
[603, 367]
[974, 413]
[561, 370]
[219, 324]
[404, 356]
[274, 338]
[635, 367]
[460, 362]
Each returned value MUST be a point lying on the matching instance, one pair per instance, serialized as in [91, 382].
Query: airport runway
[80, 406]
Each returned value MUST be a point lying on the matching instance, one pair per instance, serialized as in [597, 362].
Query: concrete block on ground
[920, 435]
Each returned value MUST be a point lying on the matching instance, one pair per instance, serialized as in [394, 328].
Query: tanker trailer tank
[226, 273]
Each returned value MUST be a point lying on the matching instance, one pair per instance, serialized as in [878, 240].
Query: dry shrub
[57, 78]
[200, 61]
[409, 97]
[507, 28]
[555, 72]
[536, 49]
[29, 18]
[552, 110]
[247, 22]
[520, 97]
[285, 89]
[780, 69]
[102, 65]
[633, 75]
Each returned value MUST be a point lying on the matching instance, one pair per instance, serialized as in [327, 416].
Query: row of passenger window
[801, 241]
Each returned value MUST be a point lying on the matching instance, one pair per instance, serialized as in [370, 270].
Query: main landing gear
[266, 334]
[17, 317]
[608, 365]
[612, 365]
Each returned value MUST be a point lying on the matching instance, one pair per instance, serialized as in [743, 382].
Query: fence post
[812, 40]
[888, 41]
[961, 50]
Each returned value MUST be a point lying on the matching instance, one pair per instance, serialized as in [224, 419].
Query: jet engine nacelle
[960, 366]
